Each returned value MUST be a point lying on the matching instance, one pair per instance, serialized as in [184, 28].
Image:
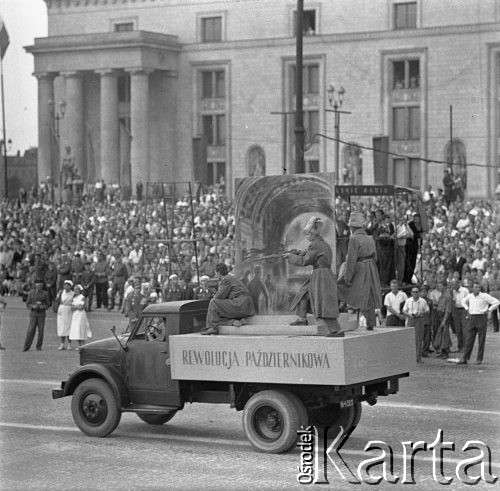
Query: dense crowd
[104, 244]
[110, 245]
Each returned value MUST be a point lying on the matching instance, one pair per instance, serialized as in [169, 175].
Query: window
[308, 22]
[214, 129]
[407, 172]
[123, 26]
[124, 88]
[406, 74]
[216, 173]
[211, 29]
[310, 79]
[213, 84]
[405, 15]
[406, 123]
[414, 173]
[152, 329]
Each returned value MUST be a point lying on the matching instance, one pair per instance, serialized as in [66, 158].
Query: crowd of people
[112, 248]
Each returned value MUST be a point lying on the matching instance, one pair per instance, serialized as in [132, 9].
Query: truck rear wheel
[334, 416]
[155, 418]
[94, 408]
[271, 420]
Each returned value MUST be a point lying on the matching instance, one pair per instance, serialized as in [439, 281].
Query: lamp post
[56, 117]
[5, 148]
[336, 99]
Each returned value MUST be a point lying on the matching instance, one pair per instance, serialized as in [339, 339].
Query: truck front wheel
[94, 408]
[157, 419]
[334, 416]
[271, 420]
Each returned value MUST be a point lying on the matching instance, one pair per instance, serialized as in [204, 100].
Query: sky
[25, 20]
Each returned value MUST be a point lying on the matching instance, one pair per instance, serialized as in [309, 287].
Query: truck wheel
[157, 419]
[303, 415]
[333, 416]
[271, 420]
[94, 408]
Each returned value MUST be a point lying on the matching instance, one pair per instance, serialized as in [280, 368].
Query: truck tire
[157, 419]
[334, 416]
[94, 408]
[271, 420]
[303, 414]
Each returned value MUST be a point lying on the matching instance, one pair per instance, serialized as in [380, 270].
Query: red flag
[4, 38]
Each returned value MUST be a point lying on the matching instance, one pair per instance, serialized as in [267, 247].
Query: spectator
[80, 327]
[63, 308]
[477, 305]
[415, 309]
[37, 302]
[394, 302]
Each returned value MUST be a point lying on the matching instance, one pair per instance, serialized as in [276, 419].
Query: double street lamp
[336, 99]
[56, 117]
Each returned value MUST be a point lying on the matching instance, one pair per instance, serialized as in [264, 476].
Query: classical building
[144, 83]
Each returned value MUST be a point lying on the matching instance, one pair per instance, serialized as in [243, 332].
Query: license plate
[348, 403]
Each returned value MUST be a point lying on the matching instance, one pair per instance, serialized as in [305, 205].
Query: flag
[4, 38]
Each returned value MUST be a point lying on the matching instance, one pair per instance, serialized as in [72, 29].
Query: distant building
[21, 172]
[142, 80]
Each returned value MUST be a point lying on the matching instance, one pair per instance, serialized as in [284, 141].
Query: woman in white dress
[80, 328]
[65, 314]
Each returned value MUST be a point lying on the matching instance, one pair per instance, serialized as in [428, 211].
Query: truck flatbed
[293, 358]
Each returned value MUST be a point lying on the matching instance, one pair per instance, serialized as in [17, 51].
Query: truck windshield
[152, 329]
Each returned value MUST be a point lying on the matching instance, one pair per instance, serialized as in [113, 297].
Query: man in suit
[458, 261]
[38, 303]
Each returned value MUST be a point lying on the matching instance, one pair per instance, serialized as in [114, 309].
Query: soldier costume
[318, 294]
[360, 284]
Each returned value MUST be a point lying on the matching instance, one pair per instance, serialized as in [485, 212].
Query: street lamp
[336, 99]
[56, 116]
[5, 148]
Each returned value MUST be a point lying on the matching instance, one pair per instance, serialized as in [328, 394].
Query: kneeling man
[232, 301]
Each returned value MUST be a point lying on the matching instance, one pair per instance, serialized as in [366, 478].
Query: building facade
[141, 80]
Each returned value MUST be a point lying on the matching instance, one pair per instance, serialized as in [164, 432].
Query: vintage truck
[282, 377]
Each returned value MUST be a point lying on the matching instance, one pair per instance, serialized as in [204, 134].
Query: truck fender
[112, 377]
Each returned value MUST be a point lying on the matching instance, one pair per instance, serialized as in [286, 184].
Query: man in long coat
[318, 294]
[360, 284]
[232, 301]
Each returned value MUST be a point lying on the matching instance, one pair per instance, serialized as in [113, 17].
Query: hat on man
[356, 220]
[161, 244]
[313, 226]
[204, 277]
[173, 276]
[80, 287]
[69, 282]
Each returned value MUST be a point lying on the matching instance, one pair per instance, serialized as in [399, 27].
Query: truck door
[148, 364]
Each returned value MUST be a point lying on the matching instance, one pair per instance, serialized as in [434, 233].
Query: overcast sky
[25, 20]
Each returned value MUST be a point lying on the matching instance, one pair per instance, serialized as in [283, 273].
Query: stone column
[73, 120]
[110, 131]
[48, 164]
[139, 113]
